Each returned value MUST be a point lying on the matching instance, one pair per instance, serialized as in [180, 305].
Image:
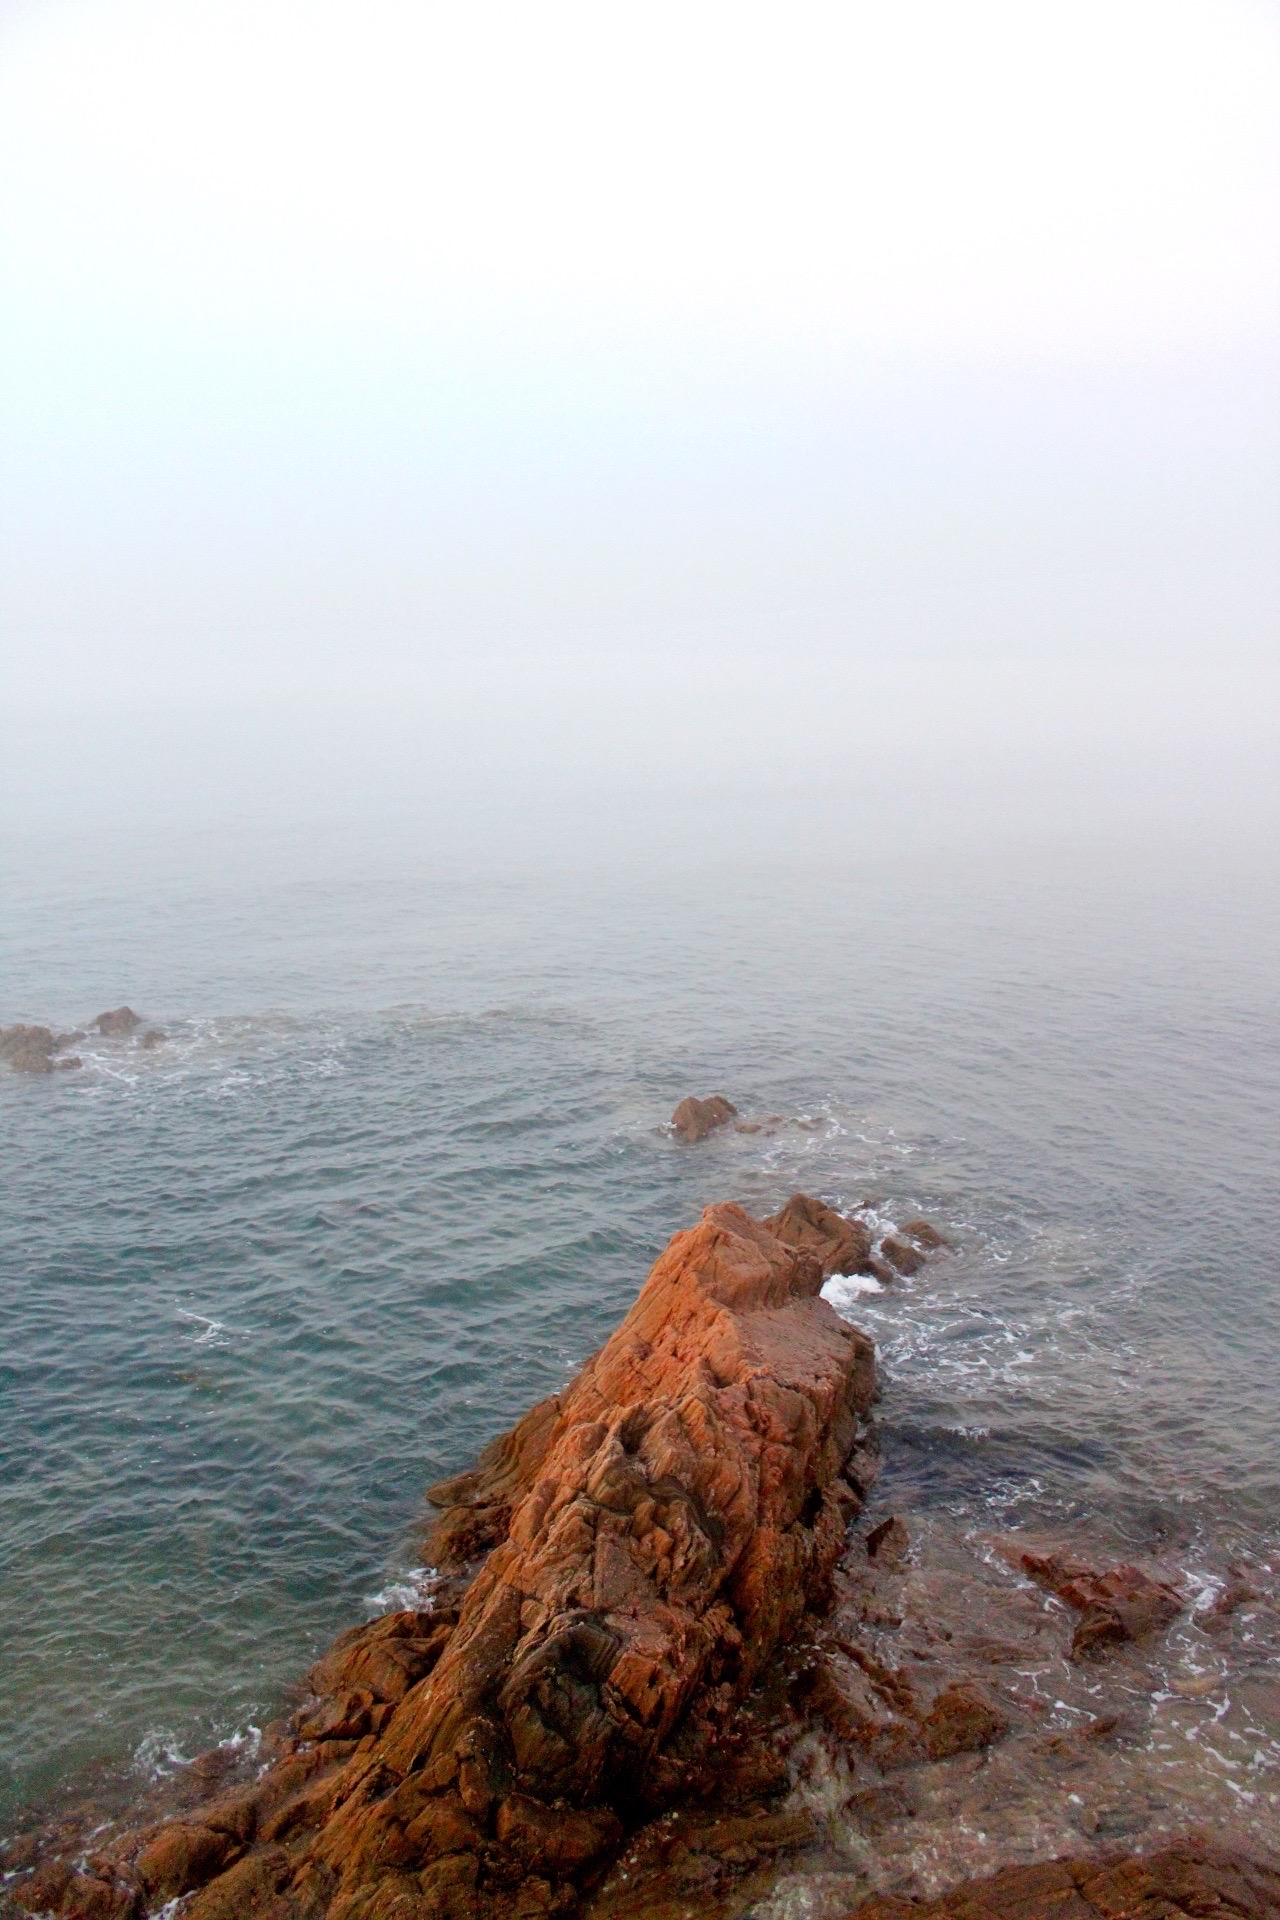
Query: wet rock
[962, 1720]
[118, 1020]
[694, 1119]
[345, 1717]
[76, 1895]
[840, 1245]
[1237, 1592]
[924, 1235]
[153, 1037]
[890, 1542]
[250, 1890]
[1122, 1603]
[181, 1857]
[901, 1255]
[34, 1049]
[680, 1868]
[19, 1852]
[383, 1659]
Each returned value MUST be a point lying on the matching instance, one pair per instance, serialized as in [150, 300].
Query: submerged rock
[1122, 1603]
[694, 1119]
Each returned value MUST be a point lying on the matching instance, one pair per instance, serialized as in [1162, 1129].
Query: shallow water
[402, 1164]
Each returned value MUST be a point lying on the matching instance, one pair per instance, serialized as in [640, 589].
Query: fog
[820, 414]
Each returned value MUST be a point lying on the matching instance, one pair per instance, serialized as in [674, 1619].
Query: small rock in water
[901, 1254]
[841, 1245]
[694, 1119]
[1236, 1593]
[890, 1542]
[118, 1020]
[33, 1049]
[924, 1235]
[153, 1037]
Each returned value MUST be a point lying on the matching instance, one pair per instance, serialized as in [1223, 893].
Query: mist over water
[402, 1165]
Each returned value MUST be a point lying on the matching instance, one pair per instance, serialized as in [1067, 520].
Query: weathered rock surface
[694, 1119]
[35, 1049]
[660, 1680]
[1195, 1879]
[844, 1244]
[840, 1245]
[653, 1535]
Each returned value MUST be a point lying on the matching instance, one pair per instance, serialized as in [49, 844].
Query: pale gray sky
[392, 395]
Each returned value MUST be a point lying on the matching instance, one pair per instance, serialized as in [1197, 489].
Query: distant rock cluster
[36, 1049]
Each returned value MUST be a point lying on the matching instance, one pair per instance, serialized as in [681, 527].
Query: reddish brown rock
[924, 1235]
[183, 1856]
[889, 1542]
[1122, 1603]
[962, 1720]
[840, 1245]
[694, 1119]
[901, 1255]
[654, 1535]
[1195, 1879]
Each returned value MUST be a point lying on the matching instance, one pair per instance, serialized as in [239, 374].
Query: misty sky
[399, 395]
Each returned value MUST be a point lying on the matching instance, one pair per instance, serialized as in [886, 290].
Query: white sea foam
[842, 1289]
[212, 1331]
[158, 1755]
[413, 1591]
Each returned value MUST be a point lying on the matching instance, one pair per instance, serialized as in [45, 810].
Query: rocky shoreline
[665, 1672]
[38, 1049]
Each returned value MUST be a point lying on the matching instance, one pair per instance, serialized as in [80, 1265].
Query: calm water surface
[402, 1165]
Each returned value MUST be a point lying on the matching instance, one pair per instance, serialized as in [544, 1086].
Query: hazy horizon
[879, 414]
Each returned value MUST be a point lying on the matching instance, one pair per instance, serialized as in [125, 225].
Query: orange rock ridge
[650, 1610]
[652, 1535]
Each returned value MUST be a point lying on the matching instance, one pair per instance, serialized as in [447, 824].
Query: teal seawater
[402, 1165]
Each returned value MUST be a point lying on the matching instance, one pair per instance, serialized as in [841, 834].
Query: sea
[403, 1160]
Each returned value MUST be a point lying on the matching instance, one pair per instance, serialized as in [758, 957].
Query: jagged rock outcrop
[652, 1536]
[840, 1245]
[694, 1119]
[844, 1244]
